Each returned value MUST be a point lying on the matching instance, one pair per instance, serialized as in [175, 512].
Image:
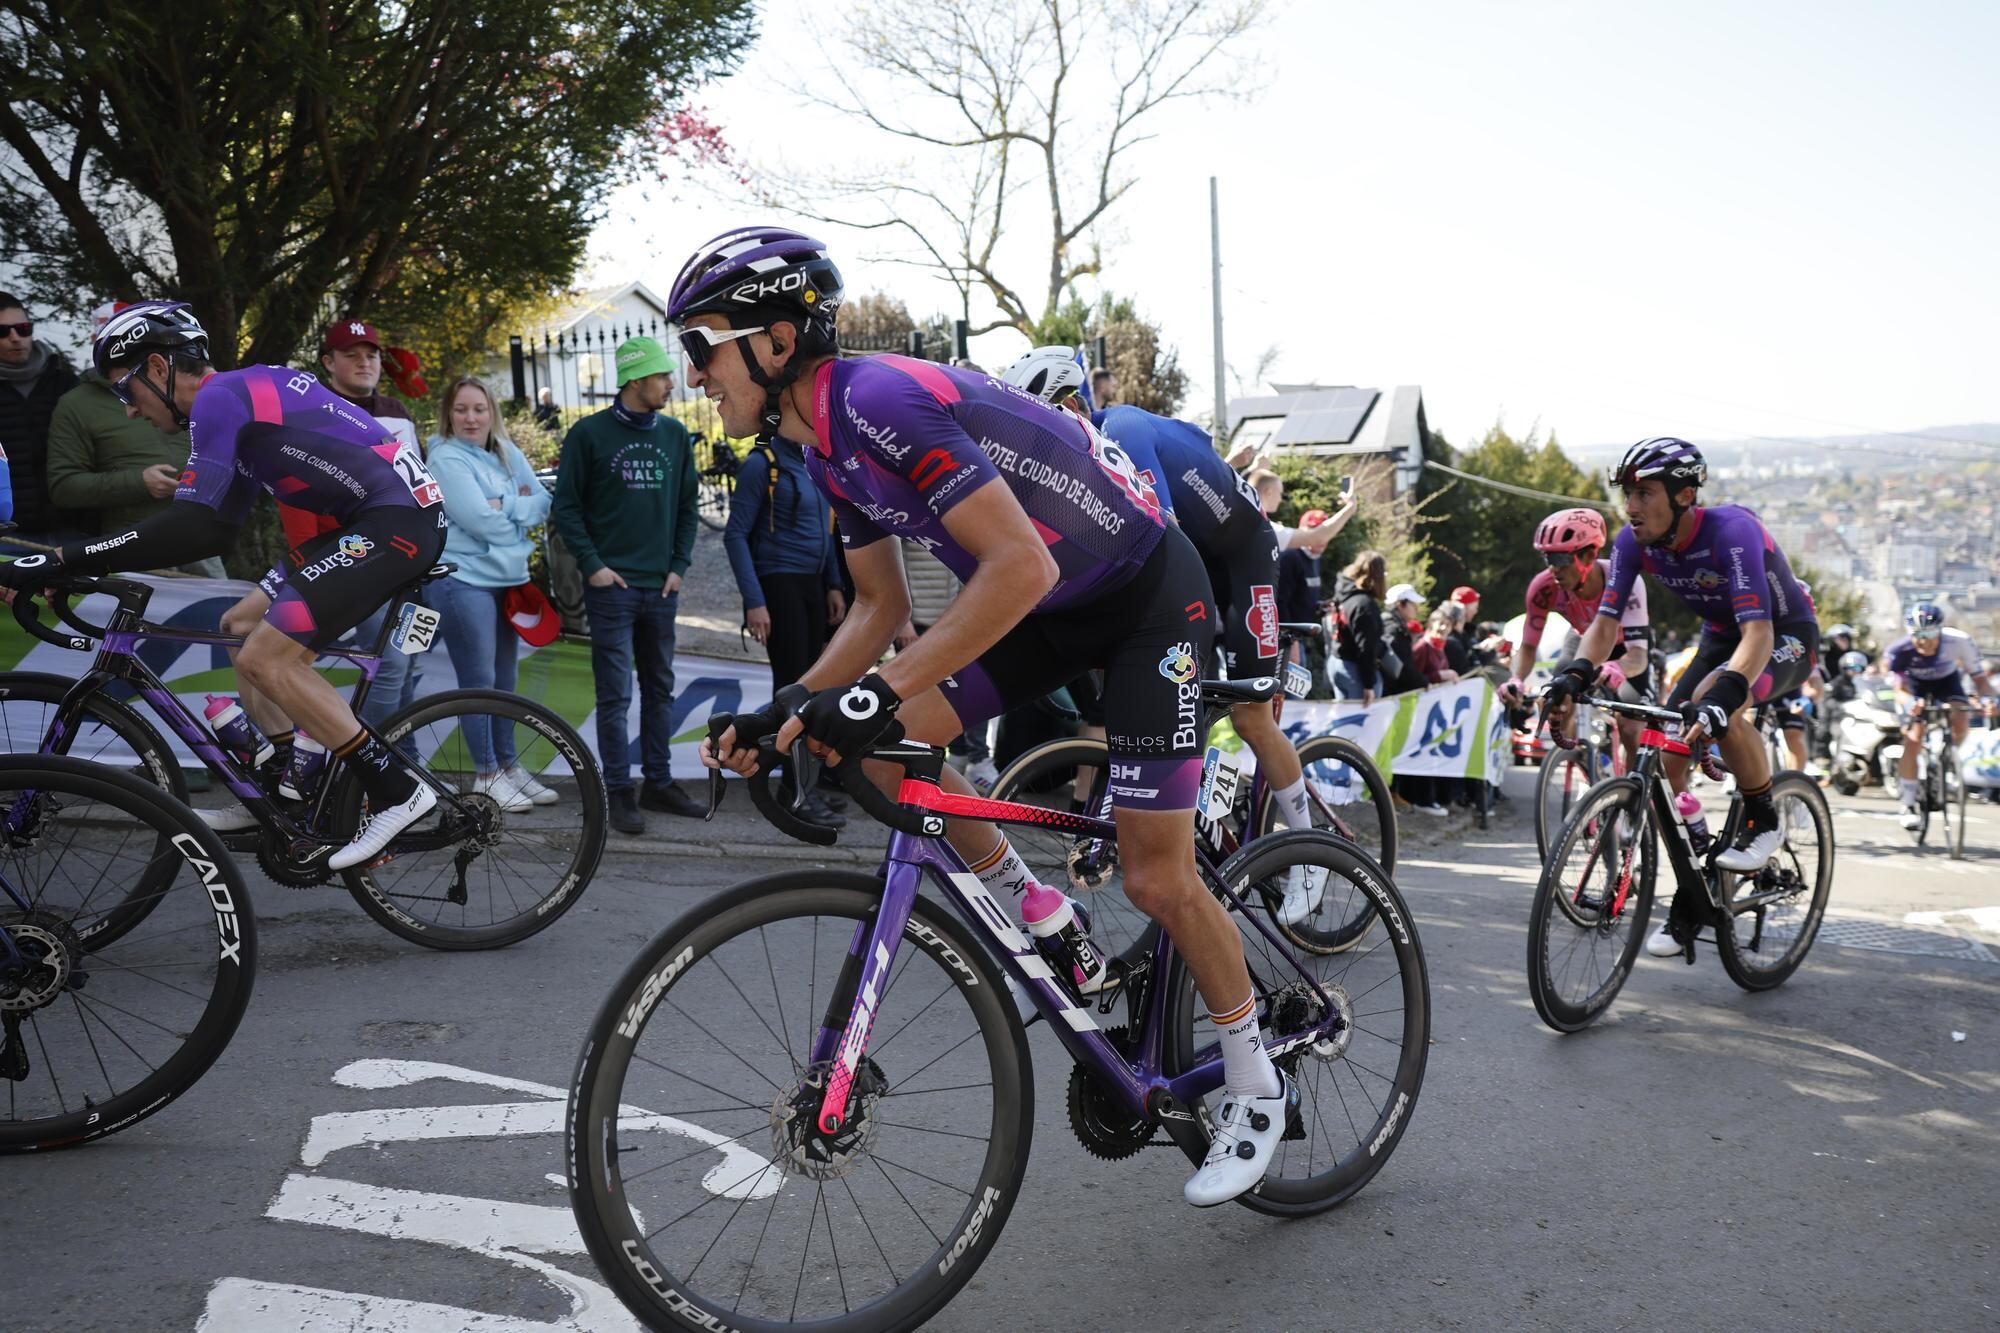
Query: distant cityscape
[1904, 518]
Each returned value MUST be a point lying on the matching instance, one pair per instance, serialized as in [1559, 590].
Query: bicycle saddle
[1257, 690]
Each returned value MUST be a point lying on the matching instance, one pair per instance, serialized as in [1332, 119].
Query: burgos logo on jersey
[352, 548]
[1708, 580]
[1179, 666]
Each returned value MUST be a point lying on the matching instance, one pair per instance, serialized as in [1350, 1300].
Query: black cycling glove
[29, 573]
[1572, 682]
[1729, 692]
[754, 726]
[848, 719]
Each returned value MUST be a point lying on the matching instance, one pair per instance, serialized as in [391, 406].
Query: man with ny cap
[625, 507]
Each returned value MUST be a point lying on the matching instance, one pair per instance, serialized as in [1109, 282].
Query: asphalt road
[1825, 1155]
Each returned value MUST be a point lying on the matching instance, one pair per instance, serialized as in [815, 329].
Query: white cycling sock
[1909, 786]
[1294, 805]
[1004, 873]
[1246, 1070]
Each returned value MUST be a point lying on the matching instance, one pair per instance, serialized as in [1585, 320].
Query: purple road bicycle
[472, 875]
[809, 1101]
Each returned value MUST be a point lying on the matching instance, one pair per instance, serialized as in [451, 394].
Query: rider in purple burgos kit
[1759, 633]
[1068, 564]
[266, 428]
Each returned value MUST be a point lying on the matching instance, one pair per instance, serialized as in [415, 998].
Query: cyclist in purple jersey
[1067, 564]
[277, 430]
[1759, 636]
[1223, 517]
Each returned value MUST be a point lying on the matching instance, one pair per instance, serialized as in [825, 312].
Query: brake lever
[717, 724]
[803, 773]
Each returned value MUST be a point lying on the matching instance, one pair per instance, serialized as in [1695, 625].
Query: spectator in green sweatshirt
[625, 507]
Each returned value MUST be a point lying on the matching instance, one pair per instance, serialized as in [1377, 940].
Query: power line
[1512, 489]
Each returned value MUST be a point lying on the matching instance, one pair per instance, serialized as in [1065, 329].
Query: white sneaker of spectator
[228, 818]
[1432, 809]
[530, 788]
[503, 791]
[382, 827]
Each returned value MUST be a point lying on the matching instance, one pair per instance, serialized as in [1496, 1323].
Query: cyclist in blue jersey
[1067, 563]
[1759, 634]
[265, 428]
[1931, 664]
[1224, 518]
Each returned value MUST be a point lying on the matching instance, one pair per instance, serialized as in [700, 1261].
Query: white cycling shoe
[1750, 854]
[1662, 944]
[228, 818]
[1247, 1131]
[1305, 889]
[382, 826]
[1911, 820]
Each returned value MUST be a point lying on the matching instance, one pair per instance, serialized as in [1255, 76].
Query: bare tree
[992, 101]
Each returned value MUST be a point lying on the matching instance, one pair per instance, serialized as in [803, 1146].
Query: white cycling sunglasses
[700, 341]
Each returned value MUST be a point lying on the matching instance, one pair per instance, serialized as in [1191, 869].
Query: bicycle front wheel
[1591, 906]
[98, 1033]
[1774, 915]
[1349, 797]
[701, 1183]
[1359, 1076]
[1954, 803]
[475, 875]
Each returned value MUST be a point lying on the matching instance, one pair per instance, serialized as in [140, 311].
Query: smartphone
[1346, 487]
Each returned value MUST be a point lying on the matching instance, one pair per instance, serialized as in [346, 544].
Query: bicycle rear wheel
[1954, 803]
[1358, 1081]
[473, 875]
[1086, 867]
[692, 1147]
[1350, 798]
[96, 1035]
[1564, 777]
[1774, 914]
[113, 734]
[1591, 906]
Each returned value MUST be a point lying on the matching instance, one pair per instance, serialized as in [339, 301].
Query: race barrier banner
[1979, 758]
[557, 676]
[1452, 731]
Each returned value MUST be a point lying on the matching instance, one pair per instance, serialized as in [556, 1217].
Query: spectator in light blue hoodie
[494, 503]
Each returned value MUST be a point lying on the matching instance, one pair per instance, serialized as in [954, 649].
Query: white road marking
[1975, 918]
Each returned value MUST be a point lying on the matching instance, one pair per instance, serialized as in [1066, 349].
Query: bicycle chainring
[1105, 1129]
[798, 1144]
[282, 859]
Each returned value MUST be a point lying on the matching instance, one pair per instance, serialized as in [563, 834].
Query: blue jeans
[395, 680]
[484, 651]
[1345, 681]
[629, 625]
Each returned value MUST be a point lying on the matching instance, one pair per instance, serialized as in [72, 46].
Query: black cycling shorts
[1150, 636]
[1794, 654]
[338, 579]
[1087, 693]
[1242, 564]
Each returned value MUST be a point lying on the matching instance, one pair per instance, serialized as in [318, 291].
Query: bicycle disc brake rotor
[1091, 863]
[48, 949]
[796, 1138]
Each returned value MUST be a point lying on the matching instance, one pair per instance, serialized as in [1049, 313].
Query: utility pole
[1215, 253]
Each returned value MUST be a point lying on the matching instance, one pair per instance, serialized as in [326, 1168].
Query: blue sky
[1615, 219]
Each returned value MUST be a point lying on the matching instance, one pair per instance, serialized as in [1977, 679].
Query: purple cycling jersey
[1957, 656]
[281, 430]
[1729, 573]
[902, 442]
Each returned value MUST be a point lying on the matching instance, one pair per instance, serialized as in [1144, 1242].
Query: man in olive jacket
[625, 507]
[116, 467]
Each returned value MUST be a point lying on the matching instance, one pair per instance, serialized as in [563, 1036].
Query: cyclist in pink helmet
[1570, 541]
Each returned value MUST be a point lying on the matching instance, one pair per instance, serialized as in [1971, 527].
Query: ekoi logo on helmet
[1178, 665]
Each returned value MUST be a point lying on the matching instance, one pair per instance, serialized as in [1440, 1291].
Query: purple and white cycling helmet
[755, 276]
[760, 271]
[1675, 462]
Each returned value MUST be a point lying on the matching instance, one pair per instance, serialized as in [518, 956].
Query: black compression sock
[382, 775]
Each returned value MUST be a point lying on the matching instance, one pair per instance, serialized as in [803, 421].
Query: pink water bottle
[1051, 918]
[235, 730]
[1688, 806]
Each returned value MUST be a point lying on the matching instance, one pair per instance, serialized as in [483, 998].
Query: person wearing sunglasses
[1571, 585]
[1068, 563]
[267, 429]
[33, 376]
[1933, 663]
